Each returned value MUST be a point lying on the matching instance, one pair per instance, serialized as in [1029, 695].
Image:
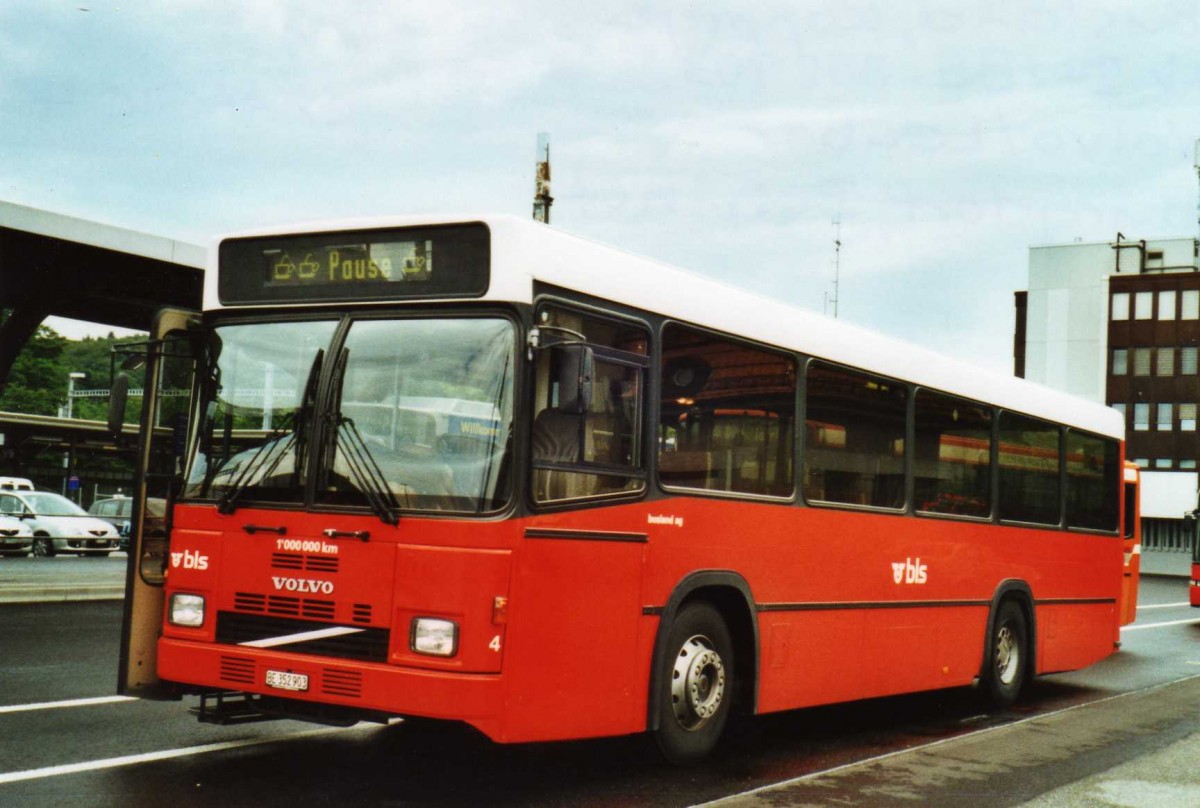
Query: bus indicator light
[499, 610]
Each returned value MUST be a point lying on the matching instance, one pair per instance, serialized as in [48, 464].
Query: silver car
[58, 524]
[16, 538]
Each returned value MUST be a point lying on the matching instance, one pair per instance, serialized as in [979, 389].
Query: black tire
[1007, 663]
[696, 684]
[43, 546]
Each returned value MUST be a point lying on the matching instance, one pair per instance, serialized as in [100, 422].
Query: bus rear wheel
[1007, 659]
[697, 681]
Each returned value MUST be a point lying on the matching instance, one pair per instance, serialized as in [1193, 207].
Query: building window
[1189, 304]
[1143, 306]
[1187, 465]
[1120, 305]
[1120, 361]
[1187, 361]
[1163, 463]
[1119, 408]
[1166, 362]
[1165, 412]
[1141, 417]
[1187, 417]
[1142, 462]
[1166, 305]
[1141, 361]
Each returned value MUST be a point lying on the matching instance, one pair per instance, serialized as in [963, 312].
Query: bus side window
[1093, 471]
[1029, 469]
[585, 448]
[856, 426]
[952, 457]
[727, 416]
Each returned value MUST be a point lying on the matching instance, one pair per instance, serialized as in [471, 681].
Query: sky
[944, 138]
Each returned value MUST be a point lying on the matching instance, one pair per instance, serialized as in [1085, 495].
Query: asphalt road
[65, 739]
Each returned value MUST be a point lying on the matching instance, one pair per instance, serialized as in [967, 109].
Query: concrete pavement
[46, 580]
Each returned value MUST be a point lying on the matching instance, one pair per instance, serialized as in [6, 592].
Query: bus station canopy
[55, 265]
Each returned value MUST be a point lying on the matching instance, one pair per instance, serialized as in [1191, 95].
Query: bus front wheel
[696, 681]
[1007, 660]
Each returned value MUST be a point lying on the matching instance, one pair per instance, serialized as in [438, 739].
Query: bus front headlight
[434, 637]
[187, 610]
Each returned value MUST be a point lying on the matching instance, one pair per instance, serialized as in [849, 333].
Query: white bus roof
[524, 251]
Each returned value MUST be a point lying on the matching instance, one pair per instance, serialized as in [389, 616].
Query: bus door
[168, 363]
[1132, 541]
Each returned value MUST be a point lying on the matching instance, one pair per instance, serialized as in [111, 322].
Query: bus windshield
[416, 414]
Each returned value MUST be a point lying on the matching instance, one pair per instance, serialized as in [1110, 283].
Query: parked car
[15, 484]
[118, 511]
[58, 524]
[16, 537]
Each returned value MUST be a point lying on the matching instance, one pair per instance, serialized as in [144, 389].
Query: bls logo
[189, 560]
[909, 572]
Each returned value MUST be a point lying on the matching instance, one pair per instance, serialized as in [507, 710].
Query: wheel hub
[697, 683]
[1006, 655]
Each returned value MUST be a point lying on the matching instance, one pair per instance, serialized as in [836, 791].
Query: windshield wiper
[297, 421]
[364, 469]
[366, 472]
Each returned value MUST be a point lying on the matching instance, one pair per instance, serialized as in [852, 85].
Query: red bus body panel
[849, 605]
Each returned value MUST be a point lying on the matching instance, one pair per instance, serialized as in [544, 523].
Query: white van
[15, 484]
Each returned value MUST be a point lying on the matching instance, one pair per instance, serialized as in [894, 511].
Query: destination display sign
[443, 261]
[394, 262]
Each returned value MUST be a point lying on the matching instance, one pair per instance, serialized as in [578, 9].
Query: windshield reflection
[416, 414]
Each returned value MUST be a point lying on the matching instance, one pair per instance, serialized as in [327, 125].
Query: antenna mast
[837, 262]
[541, 180]
[1196, 165]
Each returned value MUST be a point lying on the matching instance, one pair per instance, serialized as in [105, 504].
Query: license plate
[283, 680]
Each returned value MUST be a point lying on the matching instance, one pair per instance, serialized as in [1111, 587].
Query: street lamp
[71, 379]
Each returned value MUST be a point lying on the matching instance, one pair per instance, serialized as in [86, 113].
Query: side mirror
[575, 368]
[116, 404]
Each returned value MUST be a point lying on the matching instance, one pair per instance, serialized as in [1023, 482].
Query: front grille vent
[362, 613]
[367, 644]
[287, 561]
[237, 670]
[284, 606]
[347, 684]
[298, 561]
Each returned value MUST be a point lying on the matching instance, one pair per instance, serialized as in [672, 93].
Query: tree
[37, 383]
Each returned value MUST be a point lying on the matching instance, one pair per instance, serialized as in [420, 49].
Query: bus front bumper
[392, 689]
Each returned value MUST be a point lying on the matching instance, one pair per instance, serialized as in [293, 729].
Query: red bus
[483, 471]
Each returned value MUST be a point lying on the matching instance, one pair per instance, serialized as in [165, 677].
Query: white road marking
[1160, 625]
[1164, 605]
[165, 754]
[54, 705]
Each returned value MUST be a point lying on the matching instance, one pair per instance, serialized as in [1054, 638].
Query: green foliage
[37, 384]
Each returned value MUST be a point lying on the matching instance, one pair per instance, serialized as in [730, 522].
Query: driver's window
[10, 505]
[590, 447]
